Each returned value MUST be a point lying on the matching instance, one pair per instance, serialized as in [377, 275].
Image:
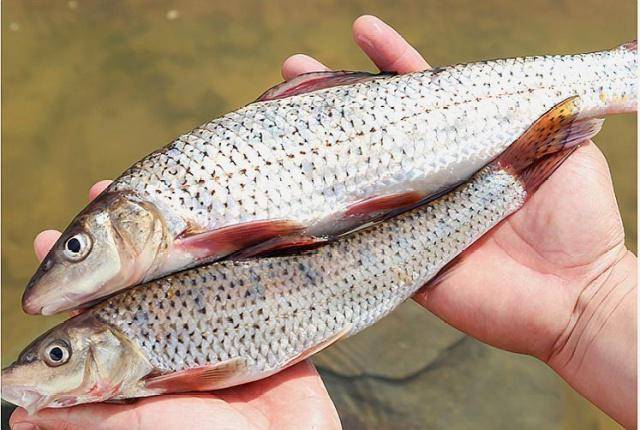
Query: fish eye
[57, 353]
[77, 247]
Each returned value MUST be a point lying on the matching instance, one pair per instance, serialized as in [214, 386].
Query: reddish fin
[555, 131]
[380, 205]
[356, 216]
[279, 246]
[219, 243]
[319, 347]
[368, 212]
[121, 401]
[630, 46]
[202, 378]
[314, 81]
[533, 176]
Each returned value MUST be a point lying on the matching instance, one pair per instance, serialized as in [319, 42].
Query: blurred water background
[91, 86]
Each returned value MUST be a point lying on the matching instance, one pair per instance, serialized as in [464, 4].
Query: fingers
[386, 48]
[298, 64]
[97, 188]
[295, 398]
[382, 44]
[291, 399]
[44, 241]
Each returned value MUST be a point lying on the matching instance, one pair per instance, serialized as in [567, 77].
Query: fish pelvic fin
[203, 378]
[547, 143]
[369, 211]
[356, 216]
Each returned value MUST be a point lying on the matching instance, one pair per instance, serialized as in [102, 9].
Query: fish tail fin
[548, 142]
[534, 175]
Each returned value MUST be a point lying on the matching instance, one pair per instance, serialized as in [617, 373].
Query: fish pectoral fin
[203, 378]
[215, 244]
[279, 246]
[319, 347]
[314, 81]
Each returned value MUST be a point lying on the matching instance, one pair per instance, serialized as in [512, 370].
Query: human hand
[518, 286]
[555, 280]
[546, 281]
[292, 399]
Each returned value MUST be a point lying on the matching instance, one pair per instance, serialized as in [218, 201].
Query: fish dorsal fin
[314, 81]
[203, 378]
[319, 347]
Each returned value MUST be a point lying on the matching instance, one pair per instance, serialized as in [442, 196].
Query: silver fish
[232, 322]
[313, 159]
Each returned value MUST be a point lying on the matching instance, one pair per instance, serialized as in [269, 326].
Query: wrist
[596, 354]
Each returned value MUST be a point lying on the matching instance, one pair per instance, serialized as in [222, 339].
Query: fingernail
[377, 24]
[24, 426]
[364, 39]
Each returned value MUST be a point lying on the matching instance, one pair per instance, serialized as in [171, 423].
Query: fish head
[112, 244]
[81, 360]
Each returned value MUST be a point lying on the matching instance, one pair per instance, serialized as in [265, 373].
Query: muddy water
[91, 86]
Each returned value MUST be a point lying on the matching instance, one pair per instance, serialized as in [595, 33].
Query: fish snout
[13, 390]
[21, 396]
[35, 293]
[29, 307]
[30, 301]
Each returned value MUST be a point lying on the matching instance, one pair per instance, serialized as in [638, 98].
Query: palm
[292, 399]
[515, 288]
[512, 289]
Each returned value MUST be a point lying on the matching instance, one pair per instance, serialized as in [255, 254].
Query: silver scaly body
[232, 322]
[307, 157]
[297, 171]
[270, 311]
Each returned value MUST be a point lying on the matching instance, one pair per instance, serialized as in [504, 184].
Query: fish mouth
[30, 302]
[34, 303]
[29, 305]
[40, 305]
[25, 397]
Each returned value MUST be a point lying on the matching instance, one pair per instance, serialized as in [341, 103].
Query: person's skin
[554, 281]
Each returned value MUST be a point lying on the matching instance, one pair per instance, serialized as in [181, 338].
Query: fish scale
[269, 311]
[315, 159]
[235, 321]
[462, 116]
